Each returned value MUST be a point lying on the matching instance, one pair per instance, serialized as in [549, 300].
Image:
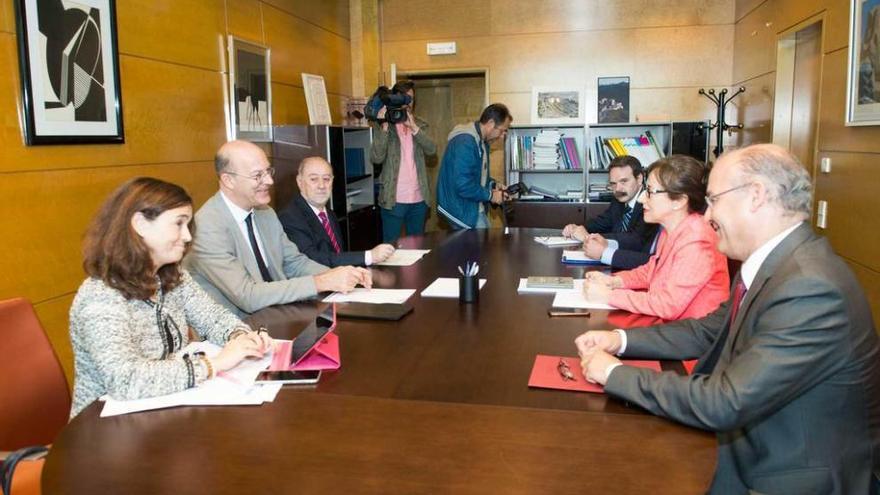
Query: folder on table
[577, 257]
[545, 373]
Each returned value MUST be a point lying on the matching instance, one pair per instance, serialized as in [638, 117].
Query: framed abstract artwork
[69, 63]
[316, 99]
[863, 69]
[250, 91]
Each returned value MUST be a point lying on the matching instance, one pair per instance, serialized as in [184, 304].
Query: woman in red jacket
[687, 276]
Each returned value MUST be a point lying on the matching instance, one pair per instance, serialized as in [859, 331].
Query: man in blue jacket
[464, 186]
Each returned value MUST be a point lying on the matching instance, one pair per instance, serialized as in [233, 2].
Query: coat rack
[721, 100]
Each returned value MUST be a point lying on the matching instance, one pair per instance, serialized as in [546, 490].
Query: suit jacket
[792, 386]
[222, 262]
[304, 228]
[686, 278]
[634, 244]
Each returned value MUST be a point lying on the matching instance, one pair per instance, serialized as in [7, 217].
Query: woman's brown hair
[115, 253]
[682, 175]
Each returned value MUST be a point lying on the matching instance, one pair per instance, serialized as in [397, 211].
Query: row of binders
[644, 147]
[549, 150]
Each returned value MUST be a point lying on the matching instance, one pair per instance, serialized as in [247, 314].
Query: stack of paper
[405, 257]
[232, 387]
[547, 150]
[557, 241]
[523, 287]
[576, 299]
[372, 296]
[578, 257]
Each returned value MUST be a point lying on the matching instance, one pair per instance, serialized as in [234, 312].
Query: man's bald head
[245, 174]
[314, 164]
[234, 152]
[315, 181]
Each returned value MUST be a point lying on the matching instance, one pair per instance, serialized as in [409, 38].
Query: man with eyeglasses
[314, 228]
[241, 255]
[789, 368]
[619, 237]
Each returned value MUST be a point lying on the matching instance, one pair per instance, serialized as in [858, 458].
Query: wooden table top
[435, 403]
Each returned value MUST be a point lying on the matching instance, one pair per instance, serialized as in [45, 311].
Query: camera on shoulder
[394, 103]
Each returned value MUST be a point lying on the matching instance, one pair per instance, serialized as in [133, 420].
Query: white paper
[557, 241]
[372, 296]
[578, 256]
[231, 387]
[574, 298]
[445, 287]
[404, 257]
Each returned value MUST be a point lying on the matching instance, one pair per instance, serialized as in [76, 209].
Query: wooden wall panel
[171, 113]
[186, 32]
[289, 105]
[651, 57]
[331, 15]
[244, 19]
[755, 43]
[851, 192]
[521, 16]
[744, 7]
[753, 109]
[403, 20]
[290, 37]
[45, 259]
[870, 281]
[7, 16]
[833, 134]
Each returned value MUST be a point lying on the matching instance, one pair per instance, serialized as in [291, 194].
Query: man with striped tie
[313, 227]
[240, 254]
[619, 236]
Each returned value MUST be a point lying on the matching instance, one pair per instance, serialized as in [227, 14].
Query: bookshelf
[575, 188]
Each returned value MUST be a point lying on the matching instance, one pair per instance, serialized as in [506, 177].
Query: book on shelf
[643, 147]
[548, 150]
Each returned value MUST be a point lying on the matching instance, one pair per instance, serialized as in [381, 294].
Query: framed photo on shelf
[613, 99]
[863, 69]
[316, 99]
[250, 91]
[557, 106]
[69, 63]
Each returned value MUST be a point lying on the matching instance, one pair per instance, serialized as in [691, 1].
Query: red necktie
[738, 293]
[326, 223]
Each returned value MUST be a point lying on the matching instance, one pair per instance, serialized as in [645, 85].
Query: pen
[460, 271]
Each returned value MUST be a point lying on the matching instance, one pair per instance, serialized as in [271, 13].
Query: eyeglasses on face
[259, 176]
[651, 192]
[711, 199]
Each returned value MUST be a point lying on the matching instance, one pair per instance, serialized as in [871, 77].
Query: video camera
[393, 103]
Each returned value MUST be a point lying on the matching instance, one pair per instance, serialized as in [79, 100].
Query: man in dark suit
[789, 368]
[626, 240]
[314, 228]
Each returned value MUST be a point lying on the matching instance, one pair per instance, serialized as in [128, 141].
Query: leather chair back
[34, 396]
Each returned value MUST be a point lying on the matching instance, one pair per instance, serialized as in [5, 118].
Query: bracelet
[209, 366]
[238, 331]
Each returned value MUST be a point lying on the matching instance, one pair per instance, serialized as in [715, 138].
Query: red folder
[324, 356]
[545, 373]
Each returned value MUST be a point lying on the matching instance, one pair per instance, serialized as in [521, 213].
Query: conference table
[437, 402]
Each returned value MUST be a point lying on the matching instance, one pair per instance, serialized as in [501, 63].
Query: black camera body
[393, 102]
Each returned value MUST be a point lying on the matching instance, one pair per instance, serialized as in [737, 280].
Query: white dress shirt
[240, 215]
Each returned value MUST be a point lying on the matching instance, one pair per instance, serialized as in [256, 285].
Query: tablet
[385, 311]
[312, 336]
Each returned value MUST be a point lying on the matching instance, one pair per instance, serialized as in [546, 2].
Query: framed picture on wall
[250, 91]
[613, 95]
[557, 106]
[863, 75]
[316, 99]
[69, 63]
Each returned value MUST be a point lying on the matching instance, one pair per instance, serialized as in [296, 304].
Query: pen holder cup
[468, 289]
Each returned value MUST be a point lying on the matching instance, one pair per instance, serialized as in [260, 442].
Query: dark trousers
[411, 215]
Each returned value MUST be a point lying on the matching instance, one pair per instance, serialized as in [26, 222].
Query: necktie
[624, 221]
[738, 293]
[326, 223]
[264, 271]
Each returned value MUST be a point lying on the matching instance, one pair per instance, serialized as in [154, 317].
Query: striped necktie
[627, 216]
[326, 223]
